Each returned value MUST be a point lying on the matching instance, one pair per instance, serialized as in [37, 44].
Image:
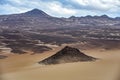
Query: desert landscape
[26, 67]
[37, 46]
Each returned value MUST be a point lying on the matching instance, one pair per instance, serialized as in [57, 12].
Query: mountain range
[37, 19]
[30, 31]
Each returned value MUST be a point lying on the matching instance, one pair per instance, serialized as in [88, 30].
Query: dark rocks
[18, 51]
[3, 57]
[67, 55]
[40, 49]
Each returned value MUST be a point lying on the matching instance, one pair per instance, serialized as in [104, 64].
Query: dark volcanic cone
[67, 55]
[38, 13]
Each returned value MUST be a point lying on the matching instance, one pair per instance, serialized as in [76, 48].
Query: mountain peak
[37, 12]
[35, 9]
[72, 17]
[104, 16]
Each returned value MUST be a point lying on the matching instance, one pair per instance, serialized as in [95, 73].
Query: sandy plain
[25, 67]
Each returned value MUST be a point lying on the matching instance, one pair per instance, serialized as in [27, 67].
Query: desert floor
[25, 67]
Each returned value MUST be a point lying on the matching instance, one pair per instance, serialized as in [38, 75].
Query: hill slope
[67, 55]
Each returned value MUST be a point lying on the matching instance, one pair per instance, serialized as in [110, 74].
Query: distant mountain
[37, 19]
[67, 55]
[37, 12]
[21, 31]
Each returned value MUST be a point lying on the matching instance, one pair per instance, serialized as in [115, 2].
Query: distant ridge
[90, 17]
[67, 55]
[39, 12]
[38, 19]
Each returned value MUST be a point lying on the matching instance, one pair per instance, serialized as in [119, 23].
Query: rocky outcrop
[67, 55]
[3, 57]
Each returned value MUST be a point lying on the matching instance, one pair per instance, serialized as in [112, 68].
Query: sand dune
[25, 67]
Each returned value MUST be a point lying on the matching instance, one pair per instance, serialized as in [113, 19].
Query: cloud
[63, 8]
[100, 5]
[59, 9]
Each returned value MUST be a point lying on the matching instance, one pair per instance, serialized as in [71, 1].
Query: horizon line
[58, 16]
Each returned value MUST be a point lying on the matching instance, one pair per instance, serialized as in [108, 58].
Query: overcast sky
[63, 8]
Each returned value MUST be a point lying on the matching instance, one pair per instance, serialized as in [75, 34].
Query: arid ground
[28, 38]
[26, 67]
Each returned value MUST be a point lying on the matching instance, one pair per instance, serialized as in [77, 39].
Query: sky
[63, 8]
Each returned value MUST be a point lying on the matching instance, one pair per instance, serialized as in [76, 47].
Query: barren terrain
[26, 67]
[30, 37]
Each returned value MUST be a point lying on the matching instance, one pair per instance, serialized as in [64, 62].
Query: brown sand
[25, 67]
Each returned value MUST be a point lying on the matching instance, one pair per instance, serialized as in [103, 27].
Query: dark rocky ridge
[67, 55]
